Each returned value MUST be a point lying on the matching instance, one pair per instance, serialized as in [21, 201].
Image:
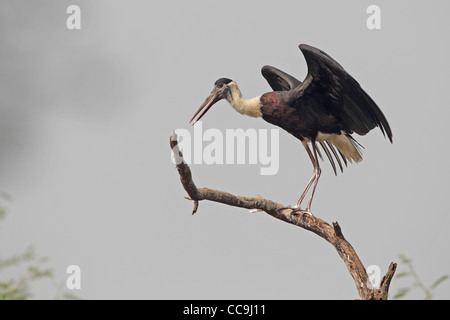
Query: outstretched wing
[279, 80]
[340, 94]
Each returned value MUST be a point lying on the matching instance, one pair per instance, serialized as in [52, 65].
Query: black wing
[342, 95]
[279, 80]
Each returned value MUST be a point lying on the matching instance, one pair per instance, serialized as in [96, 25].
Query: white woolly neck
[250, 107]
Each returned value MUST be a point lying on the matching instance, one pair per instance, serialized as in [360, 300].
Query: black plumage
[325, 109]
[329, 98]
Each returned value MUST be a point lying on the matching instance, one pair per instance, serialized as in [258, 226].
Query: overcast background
[85, 119]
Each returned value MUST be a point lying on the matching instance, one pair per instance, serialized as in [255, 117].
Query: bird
[324, 109]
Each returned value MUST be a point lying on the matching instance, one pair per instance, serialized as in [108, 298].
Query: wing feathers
[279, 80]
[342, 94]
[327, 152]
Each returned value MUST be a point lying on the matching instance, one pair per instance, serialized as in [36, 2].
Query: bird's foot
[297, 210]
[294, 208]
[304, 212]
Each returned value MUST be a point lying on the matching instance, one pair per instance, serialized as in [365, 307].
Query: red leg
[317, 172]
[313, 181]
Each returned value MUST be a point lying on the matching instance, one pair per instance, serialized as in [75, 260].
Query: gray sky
[85, 118]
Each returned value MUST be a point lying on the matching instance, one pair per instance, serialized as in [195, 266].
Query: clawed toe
[298, 211]
[294, 208]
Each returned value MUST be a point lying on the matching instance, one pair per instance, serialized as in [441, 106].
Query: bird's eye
[220, 84]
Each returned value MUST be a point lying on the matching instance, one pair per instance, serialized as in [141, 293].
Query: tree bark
[331, 233]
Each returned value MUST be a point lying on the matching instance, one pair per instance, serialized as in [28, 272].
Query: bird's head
[220, 91]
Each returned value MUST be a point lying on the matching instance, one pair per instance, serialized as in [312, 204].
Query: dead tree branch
[331, 233]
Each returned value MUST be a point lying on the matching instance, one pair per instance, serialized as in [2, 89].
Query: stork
[324, 109]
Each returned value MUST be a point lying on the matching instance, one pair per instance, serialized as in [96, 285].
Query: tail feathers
[348, 147]
[327, 152]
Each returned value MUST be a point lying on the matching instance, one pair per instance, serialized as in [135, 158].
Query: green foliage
[416, 281]
[33, 269]
[27, 268]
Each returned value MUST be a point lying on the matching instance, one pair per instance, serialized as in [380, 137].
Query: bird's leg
[297, 205]
[313, 181]
[316, 176]
[310, 180]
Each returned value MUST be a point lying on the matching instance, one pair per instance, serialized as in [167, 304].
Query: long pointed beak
[206, 105]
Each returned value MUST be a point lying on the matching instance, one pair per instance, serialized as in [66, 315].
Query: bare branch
[331, 233]
[383, 290]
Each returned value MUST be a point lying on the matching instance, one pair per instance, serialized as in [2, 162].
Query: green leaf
[404, 259]
[401, 293]
[37, 273]
[439, 281]
[402, 274]
[5, 285]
